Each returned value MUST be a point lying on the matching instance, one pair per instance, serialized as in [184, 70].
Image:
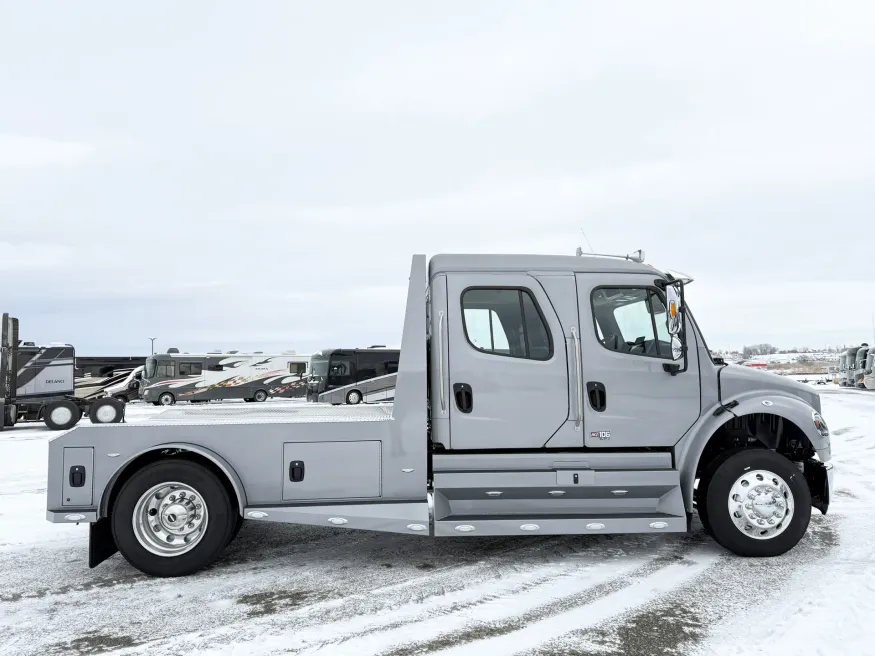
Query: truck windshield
[319, 365]
[151, 365]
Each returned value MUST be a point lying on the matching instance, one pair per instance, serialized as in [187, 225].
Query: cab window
[631, 320]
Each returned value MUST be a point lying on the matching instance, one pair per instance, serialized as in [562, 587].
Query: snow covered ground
[310, 590]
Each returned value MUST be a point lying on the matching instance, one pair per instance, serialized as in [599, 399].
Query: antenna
[587, 243]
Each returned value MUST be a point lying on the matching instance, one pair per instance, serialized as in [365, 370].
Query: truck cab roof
[554, 263]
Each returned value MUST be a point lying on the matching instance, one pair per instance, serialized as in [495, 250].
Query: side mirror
[674, 302]
[673, 309]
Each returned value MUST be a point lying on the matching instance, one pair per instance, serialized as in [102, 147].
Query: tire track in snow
[424, 620]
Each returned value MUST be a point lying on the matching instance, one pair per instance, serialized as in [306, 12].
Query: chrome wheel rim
[354, 398]
[106, 414]
[170, 519]
[62, 415]
[260, 396]
[761, 504]
[166, 399]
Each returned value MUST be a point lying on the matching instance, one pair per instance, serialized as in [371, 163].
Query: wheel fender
[689, 449]
[210, 455]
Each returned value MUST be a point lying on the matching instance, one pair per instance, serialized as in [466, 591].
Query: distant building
[100, 366]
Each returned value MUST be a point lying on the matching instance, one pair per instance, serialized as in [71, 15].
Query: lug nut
[172, 497]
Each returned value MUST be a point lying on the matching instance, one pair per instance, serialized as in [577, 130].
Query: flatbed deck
[273, 413]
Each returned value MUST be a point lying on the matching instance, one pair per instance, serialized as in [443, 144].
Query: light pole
[153, 344]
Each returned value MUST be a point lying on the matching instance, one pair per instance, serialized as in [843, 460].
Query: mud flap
[818, 482]
[101, 544]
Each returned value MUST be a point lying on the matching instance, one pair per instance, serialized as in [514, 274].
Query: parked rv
[353, 376]
[173, 376]
[37, 384]
[128, 388]
[535, 395]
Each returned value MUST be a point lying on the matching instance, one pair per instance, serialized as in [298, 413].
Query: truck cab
[535, 395]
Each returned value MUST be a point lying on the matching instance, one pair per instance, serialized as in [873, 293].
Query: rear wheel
[10, 415]
[166, 399]
[757, 503]
[172, 518]
[106, 411]
[260, 396]
[62, 415]
[354, 397]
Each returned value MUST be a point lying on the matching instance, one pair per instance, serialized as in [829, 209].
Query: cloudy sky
[257, 175]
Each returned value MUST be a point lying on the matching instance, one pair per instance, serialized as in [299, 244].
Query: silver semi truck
[535, 395]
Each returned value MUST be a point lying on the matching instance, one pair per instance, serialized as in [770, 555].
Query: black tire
[65, 422]
[354, 397]
[10, 415]
[727, 471]
[220, 525]
[155, 403]
[237, 526]
[166, 398]
[260, 396]
[248, 400]
[704, 482]
[102, 407]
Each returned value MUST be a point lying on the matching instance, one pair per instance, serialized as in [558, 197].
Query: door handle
[296, 471]
[464, 397]
[598, 396]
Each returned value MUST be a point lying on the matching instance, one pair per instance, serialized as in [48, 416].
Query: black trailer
[38, 384]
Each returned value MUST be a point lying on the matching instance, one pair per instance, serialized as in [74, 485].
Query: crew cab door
[629, 398]
[507, 364]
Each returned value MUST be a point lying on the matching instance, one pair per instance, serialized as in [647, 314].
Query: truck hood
[737, 379]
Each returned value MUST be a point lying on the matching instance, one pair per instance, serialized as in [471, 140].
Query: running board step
[559, 525]
[561, 494]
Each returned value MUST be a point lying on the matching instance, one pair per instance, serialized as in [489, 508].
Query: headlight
[820, 424]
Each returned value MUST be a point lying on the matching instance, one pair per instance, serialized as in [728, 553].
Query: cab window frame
[521, 290]
[650, 289]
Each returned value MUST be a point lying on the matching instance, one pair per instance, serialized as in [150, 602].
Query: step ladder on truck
[535, 395]
[37, 383]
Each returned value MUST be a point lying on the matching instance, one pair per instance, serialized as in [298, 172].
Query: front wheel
[354, 397]
[260, 396]
[172, 518]
[758, 503]
[166, 399]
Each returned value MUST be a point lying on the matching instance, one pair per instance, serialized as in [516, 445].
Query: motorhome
[128, 388]
[536, 395]
[171, 377]
[353, 376]
[37, 384]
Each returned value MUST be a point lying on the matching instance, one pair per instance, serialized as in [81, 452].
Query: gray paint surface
[645, 406]
[332, 470]
[519, 403]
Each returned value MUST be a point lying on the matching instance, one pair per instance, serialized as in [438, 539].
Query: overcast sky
[256, 175]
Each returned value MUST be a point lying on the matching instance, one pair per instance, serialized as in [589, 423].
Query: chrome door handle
[441, 360]
[579, 373]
